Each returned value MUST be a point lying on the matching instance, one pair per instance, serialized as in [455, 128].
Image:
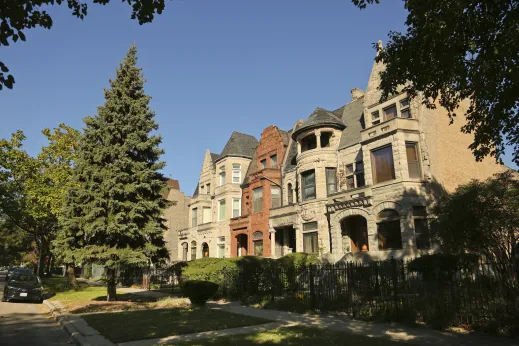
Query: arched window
[290, 194]
[193, 250]
[184, 251]
[257, 239]
[388, 229]
[205, 250]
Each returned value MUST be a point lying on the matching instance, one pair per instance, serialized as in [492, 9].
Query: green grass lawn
[149, 324]
[296, 336]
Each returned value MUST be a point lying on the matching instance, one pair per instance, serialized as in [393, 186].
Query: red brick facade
[250, 232]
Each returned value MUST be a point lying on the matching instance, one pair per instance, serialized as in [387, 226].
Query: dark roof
[214, 157]
[319, 118]
[286, 136]
[196, 190]
[290, 163]
[353, 118]
[239, 144]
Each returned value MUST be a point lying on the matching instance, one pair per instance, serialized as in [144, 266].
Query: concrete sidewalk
[416, 336]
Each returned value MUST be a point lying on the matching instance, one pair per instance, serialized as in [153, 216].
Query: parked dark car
[17, 270]
[23, 286]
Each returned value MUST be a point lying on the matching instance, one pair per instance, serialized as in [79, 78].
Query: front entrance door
[355, 228]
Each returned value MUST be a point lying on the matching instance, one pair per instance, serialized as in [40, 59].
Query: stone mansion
[355, 183]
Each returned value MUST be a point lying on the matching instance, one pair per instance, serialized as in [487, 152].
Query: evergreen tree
[113, 215]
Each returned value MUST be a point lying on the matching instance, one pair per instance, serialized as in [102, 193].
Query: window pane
[349, 168]
[308, 180]
[221, 216]
[360, 179]
[310, 242]
[263, 163]
[274, 161]
[421, 230]
[404, 103]
[275, 196]
[405, 114]
[308, 143]
[257, 200]
[390, 113]
[206, 217]
[258, 247]
[412, 160]
[310, 226]
[359, 166]
[221, 251]
[375, 118]
[257, 236]
[290, 194]
[222, 178]
[331, 181]
[194, 217]
[236, 173]
[236, 207]
[383, 167]
[208, 188]
[389, 236]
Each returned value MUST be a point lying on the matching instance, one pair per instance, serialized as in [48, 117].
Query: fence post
[394, 272]
[312, 289]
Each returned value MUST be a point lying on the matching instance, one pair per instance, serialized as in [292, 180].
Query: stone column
[318, 138]
[299, 238]
[272, 232]
[298, 148]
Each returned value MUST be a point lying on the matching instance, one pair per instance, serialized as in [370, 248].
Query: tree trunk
[41, 264]
[111, 284]
[50, 265]
[71, 275]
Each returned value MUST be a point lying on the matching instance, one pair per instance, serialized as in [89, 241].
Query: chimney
[356, 93]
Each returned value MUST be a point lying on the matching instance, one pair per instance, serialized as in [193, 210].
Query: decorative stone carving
[283, 221]
[308, 215]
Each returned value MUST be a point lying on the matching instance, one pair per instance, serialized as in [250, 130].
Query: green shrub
[199, 292]
[297, 260]
[441, 266]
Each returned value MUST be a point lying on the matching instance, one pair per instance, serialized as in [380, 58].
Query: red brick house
[261, 191]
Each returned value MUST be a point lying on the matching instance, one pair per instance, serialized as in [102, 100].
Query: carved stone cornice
[360, 202]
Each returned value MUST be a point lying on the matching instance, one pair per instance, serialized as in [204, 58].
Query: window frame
[256, 240]
[222, 175]
[220, 243]
[312, 232]
[234, 199]
[208, 189]
[416, 162]
[384, 114]
[278, 189]
[306, 140]
[274, 163]
[257, 202]
[210, 216]
[263, 163]
[193, 253]
[290, 194]
[331, 183]
[236, 173]
[220, 202]
[375, 117]
[405, 108]
[374, 168]
[304, 187]
[194, 217]
[391, 221]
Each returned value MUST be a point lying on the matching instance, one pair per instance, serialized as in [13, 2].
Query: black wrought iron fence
[385, 290]
[158, 278]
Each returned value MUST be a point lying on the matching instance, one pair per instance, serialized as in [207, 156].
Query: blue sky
[212, 67]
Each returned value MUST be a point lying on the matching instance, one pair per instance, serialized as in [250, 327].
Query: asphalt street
[27, 324]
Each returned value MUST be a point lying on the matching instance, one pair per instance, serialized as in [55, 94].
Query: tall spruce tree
[113, 215]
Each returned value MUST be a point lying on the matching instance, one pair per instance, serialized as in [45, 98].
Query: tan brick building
[176, 216]
[217, 198]
[261, 190]
[359, 182]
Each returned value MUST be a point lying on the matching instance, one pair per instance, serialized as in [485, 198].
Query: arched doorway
[354, 231]
[205, 250]
[241, 243]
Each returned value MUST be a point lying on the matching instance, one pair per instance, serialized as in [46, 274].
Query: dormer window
[325, 139]
[309, 143]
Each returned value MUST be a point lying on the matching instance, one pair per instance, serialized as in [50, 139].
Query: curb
[76, 327]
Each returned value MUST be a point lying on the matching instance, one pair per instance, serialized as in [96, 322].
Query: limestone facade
[176, 216]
